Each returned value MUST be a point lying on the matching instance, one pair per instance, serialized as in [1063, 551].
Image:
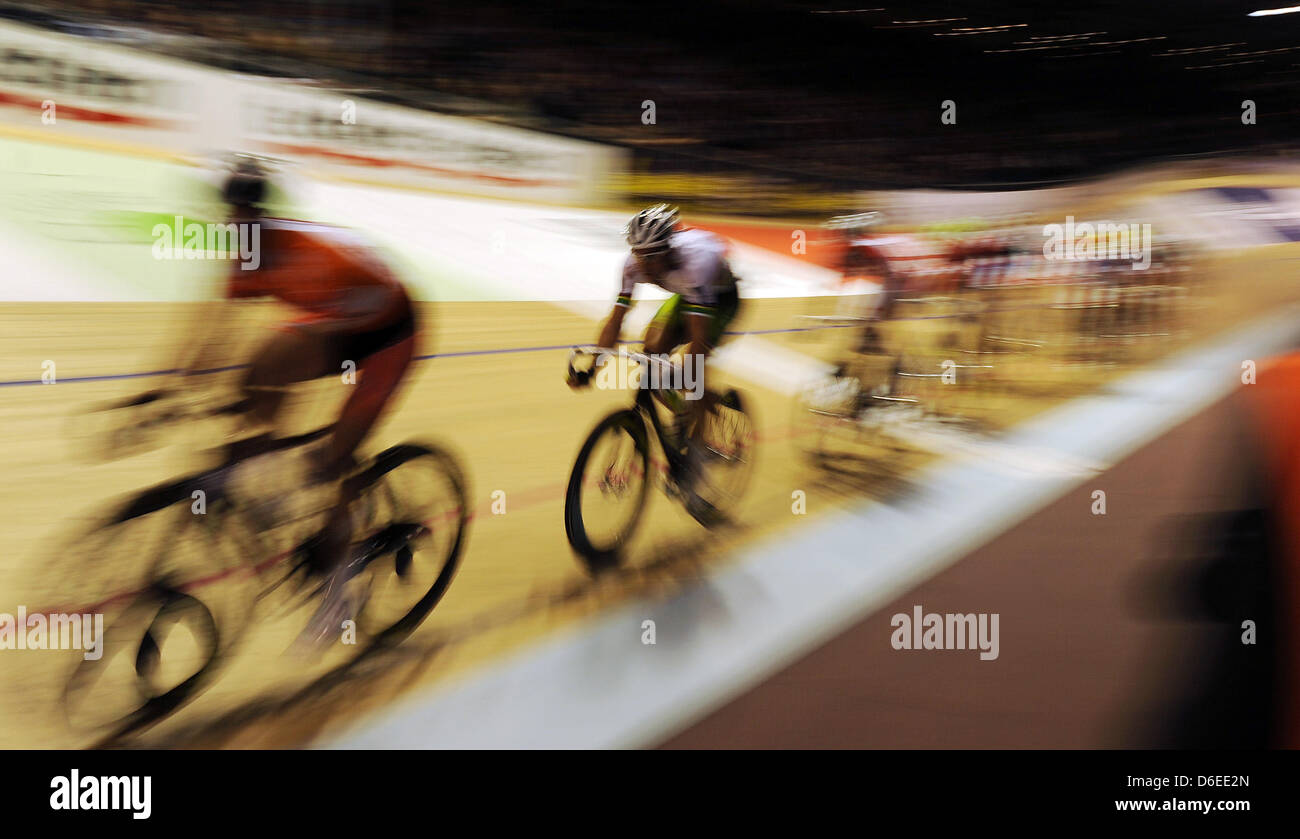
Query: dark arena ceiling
[840, 91]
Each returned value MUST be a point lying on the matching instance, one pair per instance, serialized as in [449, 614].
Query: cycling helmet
[648, 231]
[246, 184]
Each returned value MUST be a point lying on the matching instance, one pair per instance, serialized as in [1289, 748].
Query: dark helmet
[246, 185]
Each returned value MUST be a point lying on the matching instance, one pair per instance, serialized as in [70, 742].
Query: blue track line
[461, 354]
[506, 351]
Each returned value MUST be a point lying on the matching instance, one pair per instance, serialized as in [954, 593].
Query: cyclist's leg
[697, 411]
[665, 332]
[379, 373]
[723, 317]
[289, 356]
[668, 331]
[378, 376]
[667, 328]
[720, 316]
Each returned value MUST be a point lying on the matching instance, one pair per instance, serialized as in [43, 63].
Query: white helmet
[648, 231]
[856, 221]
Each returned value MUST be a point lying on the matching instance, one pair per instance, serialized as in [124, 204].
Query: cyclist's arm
[208, 340]
[210, 337]
[607, 339]
[609, 333]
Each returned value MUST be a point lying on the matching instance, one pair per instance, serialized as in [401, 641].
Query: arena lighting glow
[1266, 12]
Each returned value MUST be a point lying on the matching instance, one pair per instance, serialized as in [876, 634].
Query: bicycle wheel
[157, 655]
[728, 462]
[161, 644]
[417, 501]
[608, 484]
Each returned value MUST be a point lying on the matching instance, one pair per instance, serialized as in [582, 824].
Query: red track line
[535, 495]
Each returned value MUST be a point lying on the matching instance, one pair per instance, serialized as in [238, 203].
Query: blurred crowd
[730, 102]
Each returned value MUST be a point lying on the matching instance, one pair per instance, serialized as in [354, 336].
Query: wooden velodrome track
[509, 417]
[513, 424]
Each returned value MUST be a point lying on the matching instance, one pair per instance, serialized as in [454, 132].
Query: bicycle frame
[211, 481]
[645, 403]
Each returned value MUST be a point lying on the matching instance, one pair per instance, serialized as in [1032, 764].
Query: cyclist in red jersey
[864, 259]
[351, 310]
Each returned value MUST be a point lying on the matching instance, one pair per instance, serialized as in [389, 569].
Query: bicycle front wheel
[607, 489]
[160, 645]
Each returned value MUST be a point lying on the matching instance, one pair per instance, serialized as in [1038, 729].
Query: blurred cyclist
[692, 264]
[354, 315]
[866, 259]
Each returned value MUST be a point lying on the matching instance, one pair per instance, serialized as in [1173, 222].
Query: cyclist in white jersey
[692, 265]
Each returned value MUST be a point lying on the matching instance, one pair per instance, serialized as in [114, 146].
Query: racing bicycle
[607, 488]
[190, 575]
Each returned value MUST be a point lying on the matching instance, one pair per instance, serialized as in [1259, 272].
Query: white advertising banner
[74, 87]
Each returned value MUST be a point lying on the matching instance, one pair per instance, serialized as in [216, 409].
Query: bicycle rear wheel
[728, 462]
[418, 504]
[607, 489]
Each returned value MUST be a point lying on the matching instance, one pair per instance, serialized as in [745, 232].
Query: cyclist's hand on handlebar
[580, 373]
